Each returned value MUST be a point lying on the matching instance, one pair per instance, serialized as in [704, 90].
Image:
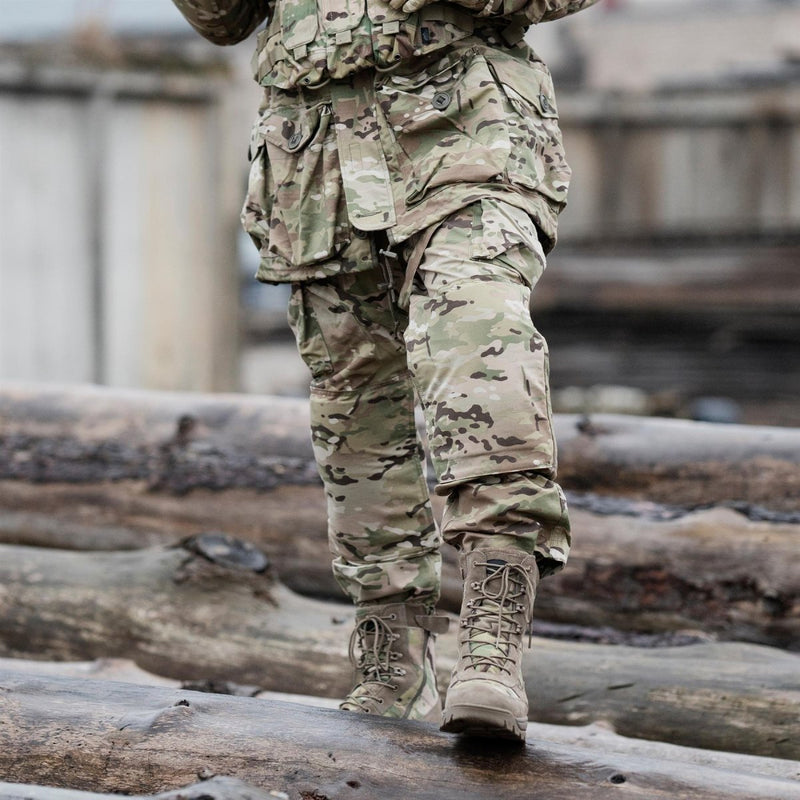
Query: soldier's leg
[381, 530]
[481, 371]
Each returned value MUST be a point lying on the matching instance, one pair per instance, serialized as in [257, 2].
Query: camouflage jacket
[454, 109]
[308, 42]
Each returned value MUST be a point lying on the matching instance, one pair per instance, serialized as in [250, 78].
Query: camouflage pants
[448, 320]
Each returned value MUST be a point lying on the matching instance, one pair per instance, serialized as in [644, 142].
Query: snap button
[545, 103]
[440, 101]
[360, 234]
[295, 140]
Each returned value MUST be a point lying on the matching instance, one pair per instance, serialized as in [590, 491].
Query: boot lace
[504, 595]
[371, 655]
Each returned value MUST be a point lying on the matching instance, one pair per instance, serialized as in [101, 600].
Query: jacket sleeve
[547, 10]
[224, 21]
[534, 10]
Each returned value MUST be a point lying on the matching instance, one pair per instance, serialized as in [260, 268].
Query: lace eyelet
[392, 616]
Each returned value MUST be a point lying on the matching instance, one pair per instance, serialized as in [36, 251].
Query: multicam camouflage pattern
[435, 125]
[381, 530]
[482, 373]
[392, 652]
[308, 42]
[480, 369]
[224, 21]
[401, 152]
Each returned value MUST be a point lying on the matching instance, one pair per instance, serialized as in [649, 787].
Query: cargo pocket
[448, 122]
[537, 160]
[294, 210]
[307, 331]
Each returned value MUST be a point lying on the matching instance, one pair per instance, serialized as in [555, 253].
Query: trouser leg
[381, 530]
[481, 371]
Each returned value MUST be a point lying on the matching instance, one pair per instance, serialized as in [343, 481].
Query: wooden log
[175, 612]
[117, 737]
[713, 571]
[123, 670]
[218, 788]
[178, 442]
[180, 615]
[100, 468]
[692, 464]
[597, 736]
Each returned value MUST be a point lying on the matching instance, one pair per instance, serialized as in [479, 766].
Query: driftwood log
[180, 614]
[100, 469]
[117, 737]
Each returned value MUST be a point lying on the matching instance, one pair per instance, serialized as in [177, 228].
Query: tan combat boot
[487, 696]
[391, 650]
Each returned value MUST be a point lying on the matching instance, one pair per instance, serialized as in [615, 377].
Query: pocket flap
[288, 129]
[529, 82]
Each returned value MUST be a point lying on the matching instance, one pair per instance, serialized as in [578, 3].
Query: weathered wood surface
[116, 737]
[173, 611]
[98, 468]
[176, 442]
[212, 789]
[179, 615]
[714, 570]
[598, 736]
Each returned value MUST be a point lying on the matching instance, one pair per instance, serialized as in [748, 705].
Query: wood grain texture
[179, 615]
[178, 442]
[115, 737]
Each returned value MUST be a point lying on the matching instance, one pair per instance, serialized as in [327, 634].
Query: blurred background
[674, 289]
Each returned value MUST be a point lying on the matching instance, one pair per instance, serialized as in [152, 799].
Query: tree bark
[181, 615]
[712, 571]
[117, 737]
[100, 468]
[690, 464]
[178, 442]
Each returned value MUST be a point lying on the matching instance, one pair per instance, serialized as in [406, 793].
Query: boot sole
[484, 722]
